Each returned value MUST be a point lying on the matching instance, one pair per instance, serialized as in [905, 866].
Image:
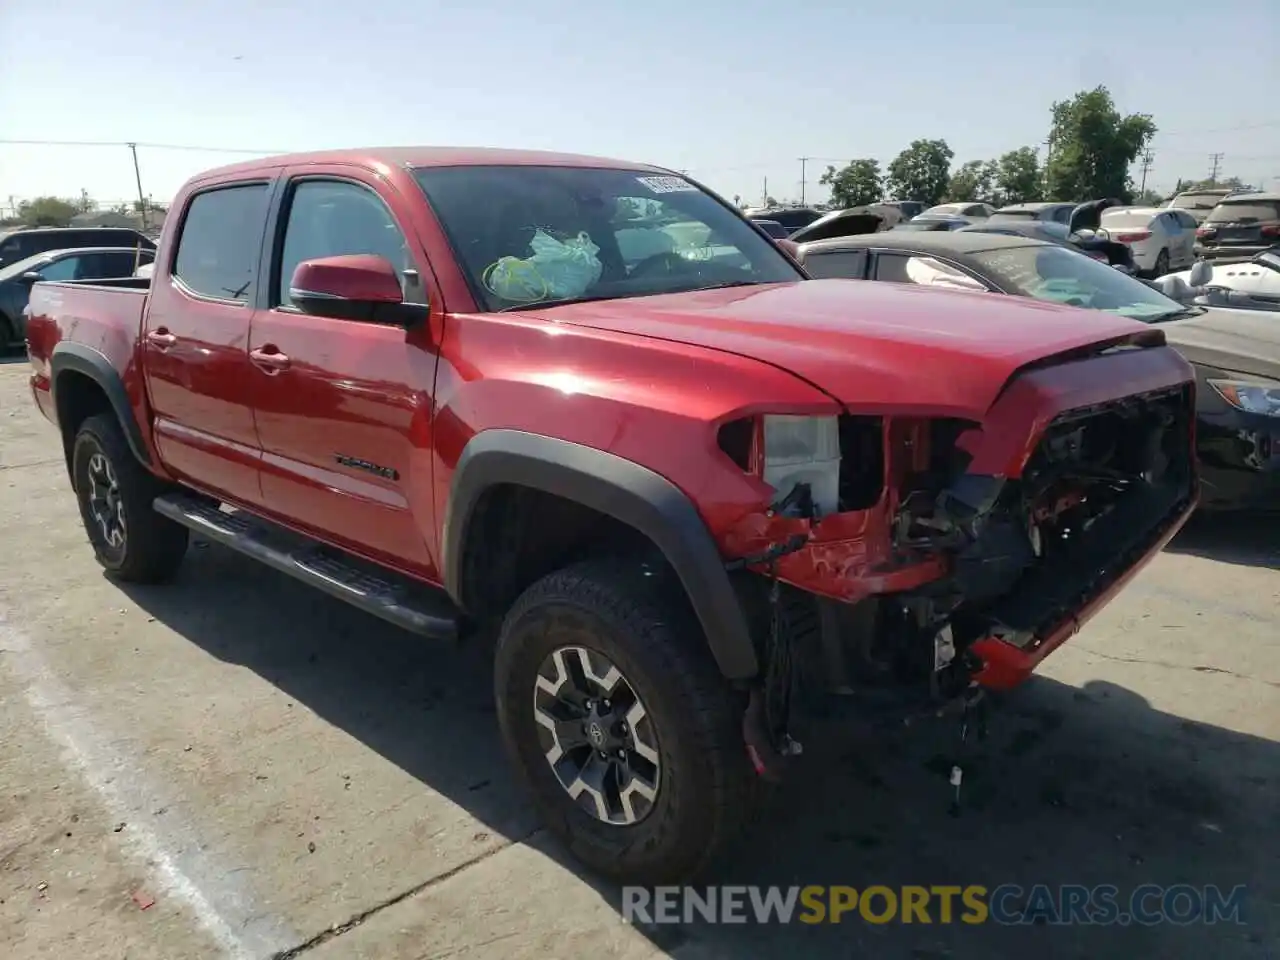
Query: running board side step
[416, 607]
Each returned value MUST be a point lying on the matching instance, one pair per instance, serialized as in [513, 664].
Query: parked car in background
[1257, 277]
[909, 208]
[1161, 239]
[17, 245]
[1051, 212]
[1236, 353]
[927, 222]
[1241, 225]
[845, 223]
[970, 211]
[88, 263]
[1197, 203]
[772, 227]
[792, 218]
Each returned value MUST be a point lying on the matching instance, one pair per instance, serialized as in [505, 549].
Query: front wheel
[621, 727]
[1162, 264]
[130, 540]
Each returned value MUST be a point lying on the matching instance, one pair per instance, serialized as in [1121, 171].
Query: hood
[1240, 341]
[873, 346]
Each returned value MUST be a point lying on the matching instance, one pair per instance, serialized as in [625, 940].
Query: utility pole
[803, 163]
[764, 193]
[1048, 156]
[1213, 173]
[1147, 160]
[137, 176]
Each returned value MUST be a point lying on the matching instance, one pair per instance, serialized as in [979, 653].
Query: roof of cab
[410, 157]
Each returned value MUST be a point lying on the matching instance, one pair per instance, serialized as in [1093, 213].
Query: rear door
[195, 341]
[343, 407]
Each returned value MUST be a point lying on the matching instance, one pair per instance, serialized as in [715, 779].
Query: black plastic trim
[68, 355]
[619, 488]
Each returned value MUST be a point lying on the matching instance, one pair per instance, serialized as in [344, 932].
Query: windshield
[944, 208]
[1196, 201]
[1059, 275]
[25, 265]
[1245, 211]
[534, 235]
[1127, 218]
[1014, 215]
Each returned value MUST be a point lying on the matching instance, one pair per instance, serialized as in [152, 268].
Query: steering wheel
[666, 262]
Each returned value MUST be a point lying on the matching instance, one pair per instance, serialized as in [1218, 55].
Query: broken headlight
[1251, 397]
[803, 450]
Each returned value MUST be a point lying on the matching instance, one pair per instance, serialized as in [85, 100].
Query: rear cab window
[836, 264]
[221, 235]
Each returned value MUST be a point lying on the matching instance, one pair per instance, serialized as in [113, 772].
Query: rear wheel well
[518, 534]
[78, 397]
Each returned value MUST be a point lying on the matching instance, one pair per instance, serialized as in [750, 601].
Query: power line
[138, 143]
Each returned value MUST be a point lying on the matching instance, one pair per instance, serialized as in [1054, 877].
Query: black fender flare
[68, 355]
[622, 489]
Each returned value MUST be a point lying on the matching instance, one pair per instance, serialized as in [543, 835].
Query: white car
[1258, 276]
[971, 211]
[1161, 240]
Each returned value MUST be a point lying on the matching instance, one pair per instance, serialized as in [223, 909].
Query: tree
[1092, 147]
[1225, 183]
[921, 172]
[47, 212]
[857, 184]
[974, 180]
[1018, 177]
[1148, 198]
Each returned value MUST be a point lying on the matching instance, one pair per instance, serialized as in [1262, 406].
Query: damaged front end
[953, 555]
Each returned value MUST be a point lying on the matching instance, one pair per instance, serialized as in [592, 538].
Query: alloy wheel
[106, 505]
[596, 735]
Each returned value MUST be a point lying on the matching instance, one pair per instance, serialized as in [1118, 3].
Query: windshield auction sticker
[668, 185]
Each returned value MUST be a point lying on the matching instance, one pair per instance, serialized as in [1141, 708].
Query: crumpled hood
[1242, 341]
[873, 346]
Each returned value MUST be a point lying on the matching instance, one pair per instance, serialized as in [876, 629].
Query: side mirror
[1201, 273]
[31, 276]
[359, 287]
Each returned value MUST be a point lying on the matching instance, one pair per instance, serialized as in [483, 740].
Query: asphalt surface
[236, 766]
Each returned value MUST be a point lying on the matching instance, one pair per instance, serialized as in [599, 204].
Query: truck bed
[104, 316]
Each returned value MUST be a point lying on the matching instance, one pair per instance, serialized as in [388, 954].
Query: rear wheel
[619, 723]
[115, 493]
[8, 335]
[1162, 263]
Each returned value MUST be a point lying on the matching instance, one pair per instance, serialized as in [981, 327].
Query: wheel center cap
[595, 733]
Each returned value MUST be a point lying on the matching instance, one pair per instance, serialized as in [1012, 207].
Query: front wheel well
[518, 534]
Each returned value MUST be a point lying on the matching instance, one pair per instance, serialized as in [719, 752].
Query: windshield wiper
[1182, 313]
[730, 283]
[543, 304]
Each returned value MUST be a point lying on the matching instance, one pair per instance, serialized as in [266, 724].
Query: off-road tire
[1162, 265]
[153, 545]
[708, 789]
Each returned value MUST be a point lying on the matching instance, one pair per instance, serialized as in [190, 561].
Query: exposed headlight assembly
[803, 450]
[1251, 397]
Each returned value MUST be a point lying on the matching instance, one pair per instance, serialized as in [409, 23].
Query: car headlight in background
[1252, 397]
[804, 450]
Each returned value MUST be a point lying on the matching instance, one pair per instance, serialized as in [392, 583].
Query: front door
[343, 408]
[195, 343]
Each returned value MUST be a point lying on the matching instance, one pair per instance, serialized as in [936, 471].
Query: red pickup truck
[587, 403]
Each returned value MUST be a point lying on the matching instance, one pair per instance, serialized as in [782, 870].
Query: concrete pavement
[237, 766]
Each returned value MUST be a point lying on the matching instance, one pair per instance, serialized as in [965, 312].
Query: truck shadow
[1073, 786]
[1247, 538]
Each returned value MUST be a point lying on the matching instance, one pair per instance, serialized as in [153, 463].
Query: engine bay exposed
[1014, 558]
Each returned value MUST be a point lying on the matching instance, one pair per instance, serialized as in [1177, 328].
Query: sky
[733, 91]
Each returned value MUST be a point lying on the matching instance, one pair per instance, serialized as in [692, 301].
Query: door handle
[161, 338]
[269, 358]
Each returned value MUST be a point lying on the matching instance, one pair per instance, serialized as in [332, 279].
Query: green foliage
[974, 180]
[48, 212]
[921, 172]
[1018, 177]
[1092, 147]
[1148, 198]
[857, 184]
